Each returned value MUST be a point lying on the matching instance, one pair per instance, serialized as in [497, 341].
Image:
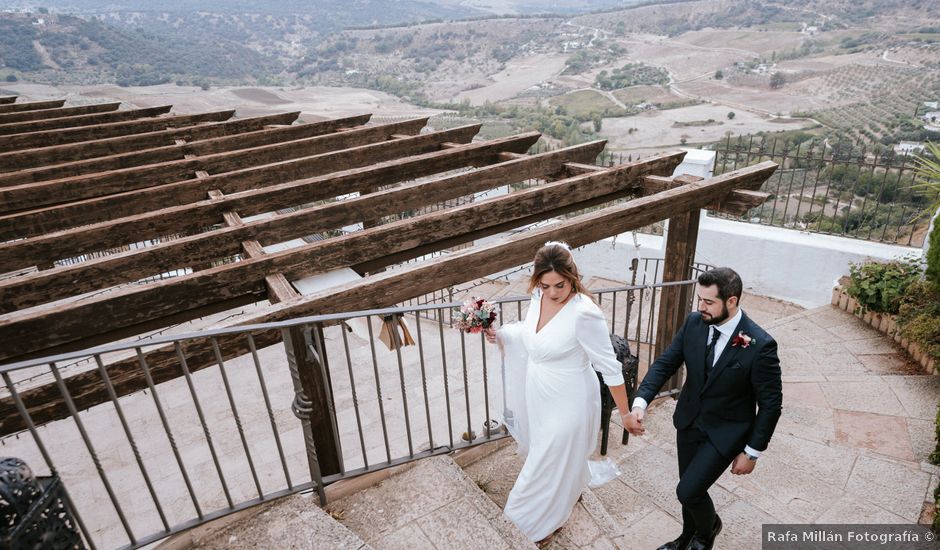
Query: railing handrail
[299, 321]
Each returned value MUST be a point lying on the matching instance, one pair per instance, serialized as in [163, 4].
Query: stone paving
[851, 447]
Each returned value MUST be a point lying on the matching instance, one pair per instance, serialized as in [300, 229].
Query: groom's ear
[733, 301]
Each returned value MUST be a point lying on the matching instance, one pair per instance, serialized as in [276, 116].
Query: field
[657, 128]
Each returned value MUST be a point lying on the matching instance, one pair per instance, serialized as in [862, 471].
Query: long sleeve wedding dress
[553, 408]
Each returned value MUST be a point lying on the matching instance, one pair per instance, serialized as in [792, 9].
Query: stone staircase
[836, 371]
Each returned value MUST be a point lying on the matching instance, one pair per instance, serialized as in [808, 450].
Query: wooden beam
[55, 284]
[30, 106]
[119, 205]
[385, 289]
[29, 140]
[65, 190]
[674, 302]
[44, 156]
[43, 250]
[34, 126]
[97, 318]
[739, 201]
[251, 138]
[25, 116]
[736, 202]
[5, 99]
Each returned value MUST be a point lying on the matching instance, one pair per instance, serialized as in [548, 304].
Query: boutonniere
[741, 339]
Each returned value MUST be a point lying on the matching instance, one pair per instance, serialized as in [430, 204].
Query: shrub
[879, 286]
[933, 255]
[919, 317]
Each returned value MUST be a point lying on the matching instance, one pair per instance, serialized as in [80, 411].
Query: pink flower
[476, 314]
[741, 339]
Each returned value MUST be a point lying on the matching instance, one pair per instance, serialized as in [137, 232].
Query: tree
[730, 115]
[719, 74]
[598, 123]
[12, 78]
[777, 80]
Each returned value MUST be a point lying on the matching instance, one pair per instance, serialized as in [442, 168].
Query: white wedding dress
[554, 408]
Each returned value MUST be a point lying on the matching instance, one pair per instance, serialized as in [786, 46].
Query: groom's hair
[726, 279]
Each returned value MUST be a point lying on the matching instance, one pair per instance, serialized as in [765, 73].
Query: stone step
[432, 504]
[590, 525]
[292, 522]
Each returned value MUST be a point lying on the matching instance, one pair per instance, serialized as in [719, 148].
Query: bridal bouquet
[475, 315]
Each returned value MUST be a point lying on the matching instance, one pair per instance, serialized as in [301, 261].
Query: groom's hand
[633, 422]
[741, 465]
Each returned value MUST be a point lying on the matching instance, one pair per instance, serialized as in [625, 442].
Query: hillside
[63, 48]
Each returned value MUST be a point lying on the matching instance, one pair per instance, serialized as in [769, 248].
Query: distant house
[39, 21]
[908, 148]
[932, 104]
[931, 117]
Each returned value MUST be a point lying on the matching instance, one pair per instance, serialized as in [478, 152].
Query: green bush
[933, 255]
[879, 286]
[919, 317]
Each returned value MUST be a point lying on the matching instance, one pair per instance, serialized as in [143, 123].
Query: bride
[552, 393]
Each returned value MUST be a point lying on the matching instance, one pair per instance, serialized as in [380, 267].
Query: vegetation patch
[632, 74]
[697, 123]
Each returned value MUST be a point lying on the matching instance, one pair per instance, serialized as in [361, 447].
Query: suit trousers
[700, 465]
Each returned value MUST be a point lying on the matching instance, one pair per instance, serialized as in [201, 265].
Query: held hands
[490, 334]
[741, 465]
[633, 422]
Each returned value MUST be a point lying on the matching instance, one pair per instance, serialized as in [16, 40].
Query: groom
[731, 370]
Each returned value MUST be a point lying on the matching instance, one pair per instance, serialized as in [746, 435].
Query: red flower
[741, 339]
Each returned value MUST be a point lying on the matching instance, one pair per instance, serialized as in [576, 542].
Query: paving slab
[894, 486]
[919, 395]
[870, 395]
[883, 434]
[294, 522]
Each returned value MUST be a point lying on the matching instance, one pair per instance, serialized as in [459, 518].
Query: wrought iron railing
[223, 437]
[838, 189]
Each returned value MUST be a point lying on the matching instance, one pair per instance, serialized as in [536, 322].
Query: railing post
[675, 301]
[312, 404]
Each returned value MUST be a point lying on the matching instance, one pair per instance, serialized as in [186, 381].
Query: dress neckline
[557, 313]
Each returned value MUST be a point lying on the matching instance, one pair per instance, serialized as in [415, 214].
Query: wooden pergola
[99, 204]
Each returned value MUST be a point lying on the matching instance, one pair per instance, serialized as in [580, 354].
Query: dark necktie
[710, 351]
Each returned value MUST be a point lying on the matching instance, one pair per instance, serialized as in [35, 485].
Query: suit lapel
[729, 352]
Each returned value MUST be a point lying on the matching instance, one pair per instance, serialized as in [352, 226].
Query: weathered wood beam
[55, 284]
[30, 106]
[25, 116]
[253, 137]
[98, 319]
[739, 201]
[43, 156]
[66, 190]
[34, 126]
[28, 140]
[42, 250]
[119, 205]
[736, 202]
[4, 99]
[381, 290]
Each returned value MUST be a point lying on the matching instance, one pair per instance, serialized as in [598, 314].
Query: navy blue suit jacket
[741, 400]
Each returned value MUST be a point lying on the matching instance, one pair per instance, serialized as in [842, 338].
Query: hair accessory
[558, 243]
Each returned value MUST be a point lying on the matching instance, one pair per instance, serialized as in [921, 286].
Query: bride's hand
[490, 334]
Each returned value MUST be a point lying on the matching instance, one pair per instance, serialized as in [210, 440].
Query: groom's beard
[718, 319]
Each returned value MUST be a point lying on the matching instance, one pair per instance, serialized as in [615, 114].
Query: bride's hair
[556, 256]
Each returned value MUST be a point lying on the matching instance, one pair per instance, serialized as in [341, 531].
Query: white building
[908, 148]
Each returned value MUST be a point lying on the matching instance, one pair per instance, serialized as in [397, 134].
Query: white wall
[781, 263]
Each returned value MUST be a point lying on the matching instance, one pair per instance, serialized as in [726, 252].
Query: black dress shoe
[698, 543]
[679, 544]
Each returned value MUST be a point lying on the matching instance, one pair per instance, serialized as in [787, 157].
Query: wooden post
[675, 301]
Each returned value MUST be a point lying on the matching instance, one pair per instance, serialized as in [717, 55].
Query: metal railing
[212, 439]
[837, 189]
